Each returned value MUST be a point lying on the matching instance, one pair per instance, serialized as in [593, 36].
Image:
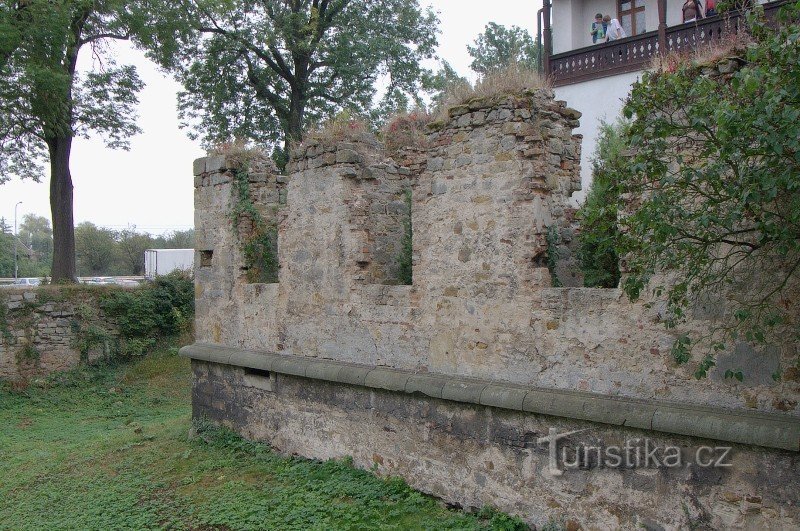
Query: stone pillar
[500, 172]
[221, 284]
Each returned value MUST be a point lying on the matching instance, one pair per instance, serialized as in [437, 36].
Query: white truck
[164, 261]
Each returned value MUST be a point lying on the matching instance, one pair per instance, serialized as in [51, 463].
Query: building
[596, 78]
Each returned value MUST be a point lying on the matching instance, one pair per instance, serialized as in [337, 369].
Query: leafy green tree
[716, 168]
[599, 234]
[179, 239]
[35, 232]
[444, 82]
[96, 250]
[498, 47]
[130, 248]
[6, 250]
[45, 101]
[264, 71]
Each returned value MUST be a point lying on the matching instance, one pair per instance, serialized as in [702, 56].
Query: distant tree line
[99, 251]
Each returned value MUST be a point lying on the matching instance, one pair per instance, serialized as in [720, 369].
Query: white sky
[151, 186]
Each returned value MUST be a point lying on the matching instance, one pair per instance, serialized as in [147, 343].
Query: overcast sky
[151, 186]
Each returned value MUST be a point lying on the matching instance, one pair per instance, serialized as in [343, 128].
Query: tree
[716, 173]
[265, 70]
[95, 250]
[179, 239]
[131, 246]
[444, 82]
[35, 232]
[599, 234]
[45, 101]
[6, 250]
[498, 47]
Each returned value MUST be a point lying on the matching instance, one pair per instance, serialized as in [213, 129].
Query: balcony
[633, 54]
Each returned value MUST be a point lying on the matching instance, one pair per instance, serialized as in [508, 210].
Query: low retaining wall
[48, 329]
[473, 454]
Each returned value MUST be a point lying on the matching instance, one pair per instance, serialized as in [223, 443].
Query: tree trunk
[61, 208]
[294, 132]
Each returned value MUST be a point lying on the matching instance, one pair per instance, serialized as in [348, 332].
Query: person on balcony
[598, 31]
[711, 8]
[692, 11]
[615, 30]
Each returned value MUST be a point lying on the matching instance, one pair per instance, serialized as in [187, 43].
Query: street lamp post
[16, 265]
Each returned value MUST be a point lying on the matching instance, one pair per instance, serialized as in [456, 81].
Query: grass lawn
[107, 448]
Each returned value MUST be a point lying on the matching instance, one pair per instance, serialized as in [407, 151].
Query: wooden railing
[635, 53]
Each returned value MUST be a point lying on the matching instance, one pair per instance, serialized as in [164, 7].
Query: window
[631, 16]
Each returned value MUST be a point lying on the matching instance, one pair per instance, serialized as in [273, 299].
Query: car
[27, 282]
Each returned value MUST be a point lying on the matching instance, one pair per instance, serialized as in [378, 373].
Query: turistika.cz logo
[635, 453]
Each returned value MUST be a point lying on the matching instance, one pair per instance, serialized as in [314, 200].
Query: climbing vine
[5, 331]
[259, 239]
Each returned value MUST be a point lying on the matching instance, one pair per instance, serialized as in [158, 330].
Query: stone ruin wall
[481, 305]
[42, 330]
[434, 381]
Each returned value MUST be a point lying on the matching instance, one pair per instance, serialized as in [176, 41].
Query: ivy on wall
[258, 238]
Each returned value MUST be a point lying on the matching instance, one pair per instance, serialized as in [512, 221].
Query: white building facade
[595, 78]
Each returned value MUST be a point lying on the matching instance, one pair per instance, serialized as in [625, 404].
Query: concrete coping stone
[770, 430]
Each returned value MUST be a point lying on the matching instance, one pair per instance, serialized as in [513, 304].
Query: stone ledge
[744, 427]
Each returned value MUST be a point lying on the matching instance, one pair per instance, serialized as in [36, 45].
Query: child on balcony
[598, 31]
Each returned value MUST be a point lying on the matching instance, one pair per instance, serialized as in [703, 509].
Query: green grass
[107, 448]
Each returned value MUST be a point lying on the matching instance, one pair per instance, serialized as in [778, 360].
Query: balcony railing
[635, 53]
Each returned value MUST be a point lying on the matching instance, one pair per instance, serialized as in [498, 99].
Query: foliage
[104, 252]
[406, 130]
[405, 261]
[717, 168]
[161, 309]
[498, 46]
[553, 241]
[512, 79]
[117, 456]
[94, 249]
[444, 82]
[599, 234]
[131, 246]
[264, 70]
[258, 239]
[42, 92]
[6, 250]
[45, 101]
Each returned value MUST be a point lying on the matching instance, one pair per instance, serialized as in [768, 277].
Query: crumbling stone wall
[498, 174]
[495, 178]
[222, 290]
[43, 330]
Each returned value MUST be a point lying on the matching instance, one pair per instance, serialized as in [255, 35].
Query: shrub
[161, 309]
[716, 169]
[406, 130]
[343, 126]
[599, 234]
